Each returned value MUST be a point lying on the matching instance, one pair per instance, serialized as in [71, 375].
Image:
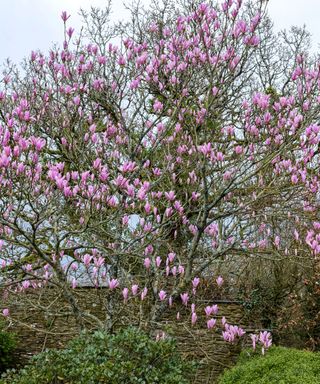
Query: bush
[129, 356]
[7, 346]
[279, 366]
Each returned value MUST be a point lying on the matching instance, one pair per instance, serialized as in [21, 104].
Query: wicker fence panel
[43, 320]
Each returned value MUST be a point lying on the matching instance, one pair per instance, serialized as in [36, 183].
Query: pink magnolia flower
[157, 106]
[125, 220]
[211, 323]
[266, 340]
[238, 331]
[134, 289]
[144, 293]
[76, 100]
[193, 229]
[277, 241]
[74, 283]
[184, 298]
[194, 318]
[170, 195]
[238, 149]
[148, 250]
[215, 309]
[171, 257]
[64, 16]
[147, 262]
[147, 208]
[113, 283]
[208, 310]
[228, 336]
[168, 211]
[98, 262]
[254, 339]
[121, 60]
[219, 281]
[162, 295]
[25, 284]
[86, 259]
[195, 283]
[125, 294]
[70, 32]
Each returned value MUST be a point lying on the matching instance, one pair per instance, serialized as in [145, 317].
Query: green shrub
[279, 366]
[129, 356]
[7, 346]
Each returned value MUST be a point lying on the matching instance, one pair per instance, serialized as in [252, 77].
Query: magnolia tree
[136, 166]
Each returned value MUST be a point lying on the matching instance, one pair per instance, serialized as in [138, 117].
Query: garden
[159, 197]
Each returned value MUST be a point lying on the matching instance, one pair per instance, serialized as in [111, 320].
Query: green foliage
[273, 93]
[279, 366]
[129, 356]
[7, 346]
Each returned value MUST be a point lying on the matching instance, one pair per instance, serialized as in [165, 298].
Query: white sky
[27, 25]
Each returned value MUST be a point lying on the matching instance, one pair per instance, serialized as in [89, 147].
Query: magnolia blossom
[147, 262]
[209, 310]
[64, 16]
[162, 295]
[87, 259]
[25, 284]
[74, 283]
[266, 340]
[144, 293]
[215, 309]
[157, 106]
[158, 261]
[171, 257]
[134, 289]
[232, 332]
[125, 294]
[219, 281]
[211, 323]
[195, 282]
[113, 283]
[228, 336]
[184, 298]
[254, 339]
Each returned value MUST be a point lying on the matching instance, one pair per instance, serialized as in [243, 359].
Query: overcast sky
[35, 24]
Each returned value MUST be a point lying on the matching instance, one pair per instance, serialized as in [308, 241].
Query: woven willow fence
[41, 321]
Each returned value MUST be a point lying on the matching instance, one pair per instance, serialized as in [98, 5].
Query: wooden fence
[41, 320]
